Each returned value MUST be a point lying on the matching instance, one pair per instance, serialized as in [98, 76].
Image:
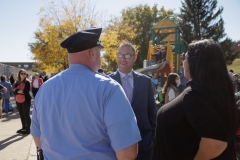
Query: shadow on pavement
[13, 115]
[10, 140]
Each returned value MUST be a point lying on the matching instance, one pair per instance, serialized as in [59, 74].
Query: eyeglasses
[126, 56]
[23, 73]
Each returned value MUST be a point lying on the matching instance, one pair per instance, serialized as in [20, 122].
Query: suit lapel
[116, 76]
[136, 83]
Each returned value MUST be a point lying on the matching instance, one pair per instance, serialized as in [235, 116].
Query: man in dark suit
[139, 91]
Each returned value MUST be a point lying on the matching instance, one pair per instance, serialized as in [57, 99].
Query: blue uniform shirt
[80, 114]
[9, 89]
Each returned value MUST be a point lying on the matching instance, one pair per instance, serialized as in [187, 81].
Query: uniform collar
[77, 66]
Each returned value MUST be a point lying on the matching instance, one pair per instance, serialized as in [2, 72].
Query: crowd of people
[23, 88]
[235, 81]
[82, 113]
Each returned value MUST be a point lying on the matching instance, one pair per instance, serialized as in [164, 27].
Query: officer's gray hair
[128, 44]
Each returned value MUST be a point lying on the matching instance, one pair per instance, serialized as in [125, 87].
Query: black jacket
[25, 91]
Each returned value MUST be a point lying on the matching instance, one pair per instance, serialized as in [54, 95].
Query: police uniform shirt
[79, 114]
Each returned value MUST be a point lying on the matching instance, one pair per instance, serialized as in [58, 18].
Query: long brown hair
[171, 80]
[19, 78]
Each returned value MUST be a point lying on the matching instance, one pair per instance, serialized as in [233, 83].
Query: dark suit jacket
[143, 105]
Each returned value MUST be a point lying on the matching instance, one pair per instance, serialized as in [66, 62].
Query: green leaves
[202, 20]
[141, 18]
[133, 26]
[116, 33]
[227, 46]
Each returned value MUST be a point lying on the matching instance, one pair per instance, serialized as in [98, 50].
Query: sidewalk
[14, 146]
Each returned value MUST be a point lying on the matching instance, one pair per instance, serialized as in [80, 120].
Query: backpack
[160, 99]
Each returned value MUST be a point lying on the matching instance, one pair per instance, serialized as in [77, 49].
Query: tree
[113, 36]
[49, 55]
[236, 48]
[201, 19]
[234, 52]
[141, 18]
[227, 46]
[58, 21]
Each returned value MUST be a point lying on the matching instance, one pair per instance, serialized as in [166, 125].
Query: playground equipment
[166, 33]
[163, 67]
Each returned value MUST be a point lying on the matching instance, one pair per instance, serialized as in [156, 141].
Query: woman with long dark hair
[23, 101]
[200, 124]
[170, 89]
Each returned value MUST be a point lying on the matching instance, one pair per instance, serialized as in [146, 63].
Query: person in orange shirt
[36, 84]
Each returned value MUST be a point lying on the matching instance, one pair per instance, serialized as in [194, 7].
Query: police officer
[81, 114]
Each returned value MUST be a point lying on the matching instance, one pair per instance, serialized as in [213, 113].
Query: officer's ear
[91, 53]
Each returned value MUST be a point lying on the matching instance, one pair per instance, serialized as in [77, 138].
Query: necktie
[127, 87]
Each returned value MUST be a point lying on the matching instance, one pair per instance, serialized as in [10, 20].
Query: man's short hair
[128, 44]
[3, 78]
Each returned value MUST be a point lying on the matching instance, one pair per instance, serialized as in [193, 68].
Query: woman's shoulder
[170, 89]
[194, 93]
[27, 82]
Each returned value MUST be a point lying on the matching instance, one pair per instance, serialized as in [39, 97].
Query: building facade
[8, 68]
[24, 65]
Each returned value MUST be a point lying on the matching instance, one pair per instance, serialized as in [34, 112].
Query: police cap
[82, 40]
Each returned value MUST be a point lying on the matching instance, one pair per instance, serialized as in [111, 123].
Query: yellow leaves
[59, 20]
[42, 9]
[47, 49]
[111, 38]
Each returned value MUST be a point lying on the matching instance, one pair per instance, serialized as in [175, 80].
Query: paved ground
[14, 146]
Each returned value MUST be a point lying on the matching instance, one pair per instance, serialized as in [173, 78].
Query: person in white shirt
[170, 89]
[36, 84]
[231, 74]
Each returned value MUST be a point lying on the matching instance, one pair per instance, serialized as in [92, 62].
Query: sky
[19, 19]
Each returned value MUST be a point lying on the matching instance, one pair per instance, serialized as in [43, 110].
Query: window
[25, 65]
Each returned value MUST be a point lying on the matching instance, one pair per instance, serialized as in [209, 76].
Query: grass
[235, 66]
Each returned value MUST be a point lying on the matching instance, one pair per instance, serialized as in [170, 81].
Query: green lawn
[235, 66]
